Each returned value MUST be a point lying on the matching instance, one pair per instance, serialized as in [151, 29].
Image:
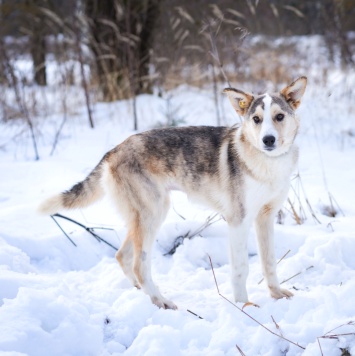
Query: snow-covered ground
[58, 299]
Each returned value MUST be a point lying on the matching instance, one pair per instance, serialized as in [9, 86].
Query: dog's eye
[256, 119]
[280, 117]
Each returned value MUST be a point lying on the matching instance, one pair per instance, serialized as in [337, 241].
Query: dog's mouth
[271, 150]
[267, 148]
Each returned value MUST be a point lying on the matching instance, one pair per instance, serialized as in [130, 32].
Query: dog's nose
[269, 140]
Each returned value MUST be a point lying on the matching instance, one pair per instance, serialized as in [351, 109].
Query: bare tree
[121, 38]
[37, 38]
[333, 13]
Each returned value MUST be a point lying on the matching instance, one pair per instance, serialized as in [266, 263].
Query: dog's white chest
[259, 194]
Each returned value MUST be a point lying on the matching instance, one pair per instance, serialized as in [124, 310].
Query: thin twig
[182, 217]
[295, 215]
[349, 323]
[277, 325]
[190, 235]
[240, 350]
[331, 198]
[63, 231]
[299, 180]
[296, 190]
[209, 221]
[214, 275]
[88, 229]
[200, 317]
[320, 347]
[297, 274]
[248, 315]
[334, 336]
[56, 138]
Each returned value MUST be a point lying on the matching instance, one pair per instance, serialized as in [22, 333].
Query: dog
[243, 172]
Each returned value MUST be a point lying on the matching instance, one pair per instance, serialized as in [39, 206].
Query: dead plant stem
[248, 315]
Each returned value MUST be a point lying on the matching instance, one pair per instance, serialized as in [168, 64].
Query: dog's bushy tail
[80, 195]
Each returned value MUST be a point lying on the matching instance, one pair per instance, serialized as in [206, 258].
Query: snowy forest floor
[59, 299]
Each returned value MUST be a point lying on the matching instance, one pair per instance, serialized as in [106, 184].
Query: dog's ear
[239, 100]
[294, 92]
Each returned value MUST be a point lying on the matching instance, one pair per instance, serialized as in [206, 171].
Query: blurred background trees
[133, 46]
[121, 37]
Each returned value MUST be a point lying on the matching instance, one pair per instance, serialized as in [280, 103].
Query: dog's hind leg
[146, 224]
[265, 235]
[143, 202]
[124, 257]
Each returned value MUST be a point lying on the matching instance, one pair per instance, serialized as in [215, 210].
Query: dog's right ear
[294, 92]
[239, 100]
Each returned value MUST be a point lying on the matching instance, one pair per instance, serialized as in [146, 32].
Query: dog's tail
[80, 195]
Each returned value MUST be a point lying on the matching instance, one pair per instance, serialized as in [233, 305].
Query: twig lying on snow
[240, 350]
[297, 274]
[191, 312]
[287, 348]
[335, 336]
[182, 217]
[277, 326]
[248, 315]
[90, 230]
[63, 231]
[331, 199]
[189, 235]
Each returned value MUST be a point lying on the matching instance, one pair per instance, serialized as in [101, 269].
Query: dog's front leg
[238, 253]
[265, 234]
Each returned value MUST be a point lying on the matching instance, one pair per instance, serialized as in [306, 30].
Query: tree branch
[90, 230]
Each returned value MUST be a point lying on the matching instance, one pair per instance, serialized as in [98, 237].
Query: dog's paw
[280, 293]
[163, 303]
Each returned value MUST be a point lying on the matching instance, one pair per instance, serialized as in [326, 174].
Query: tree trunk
[103, 25]
[122, 35]
[149, 19]
[38, 53]
[37, 40]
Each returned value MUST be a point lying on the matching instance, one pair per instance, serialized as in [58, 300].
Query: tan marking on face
[253, 130]
[287, 128]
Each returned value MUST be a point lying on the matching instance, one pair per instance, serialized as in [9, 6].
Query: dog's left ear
[239, 100]
[294, 92]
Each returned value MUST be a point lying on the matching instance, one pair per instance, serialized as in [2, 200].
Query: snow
[59, 299]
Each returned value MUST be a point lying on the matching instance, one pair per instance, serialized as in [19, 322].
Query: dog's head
[270, 123]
